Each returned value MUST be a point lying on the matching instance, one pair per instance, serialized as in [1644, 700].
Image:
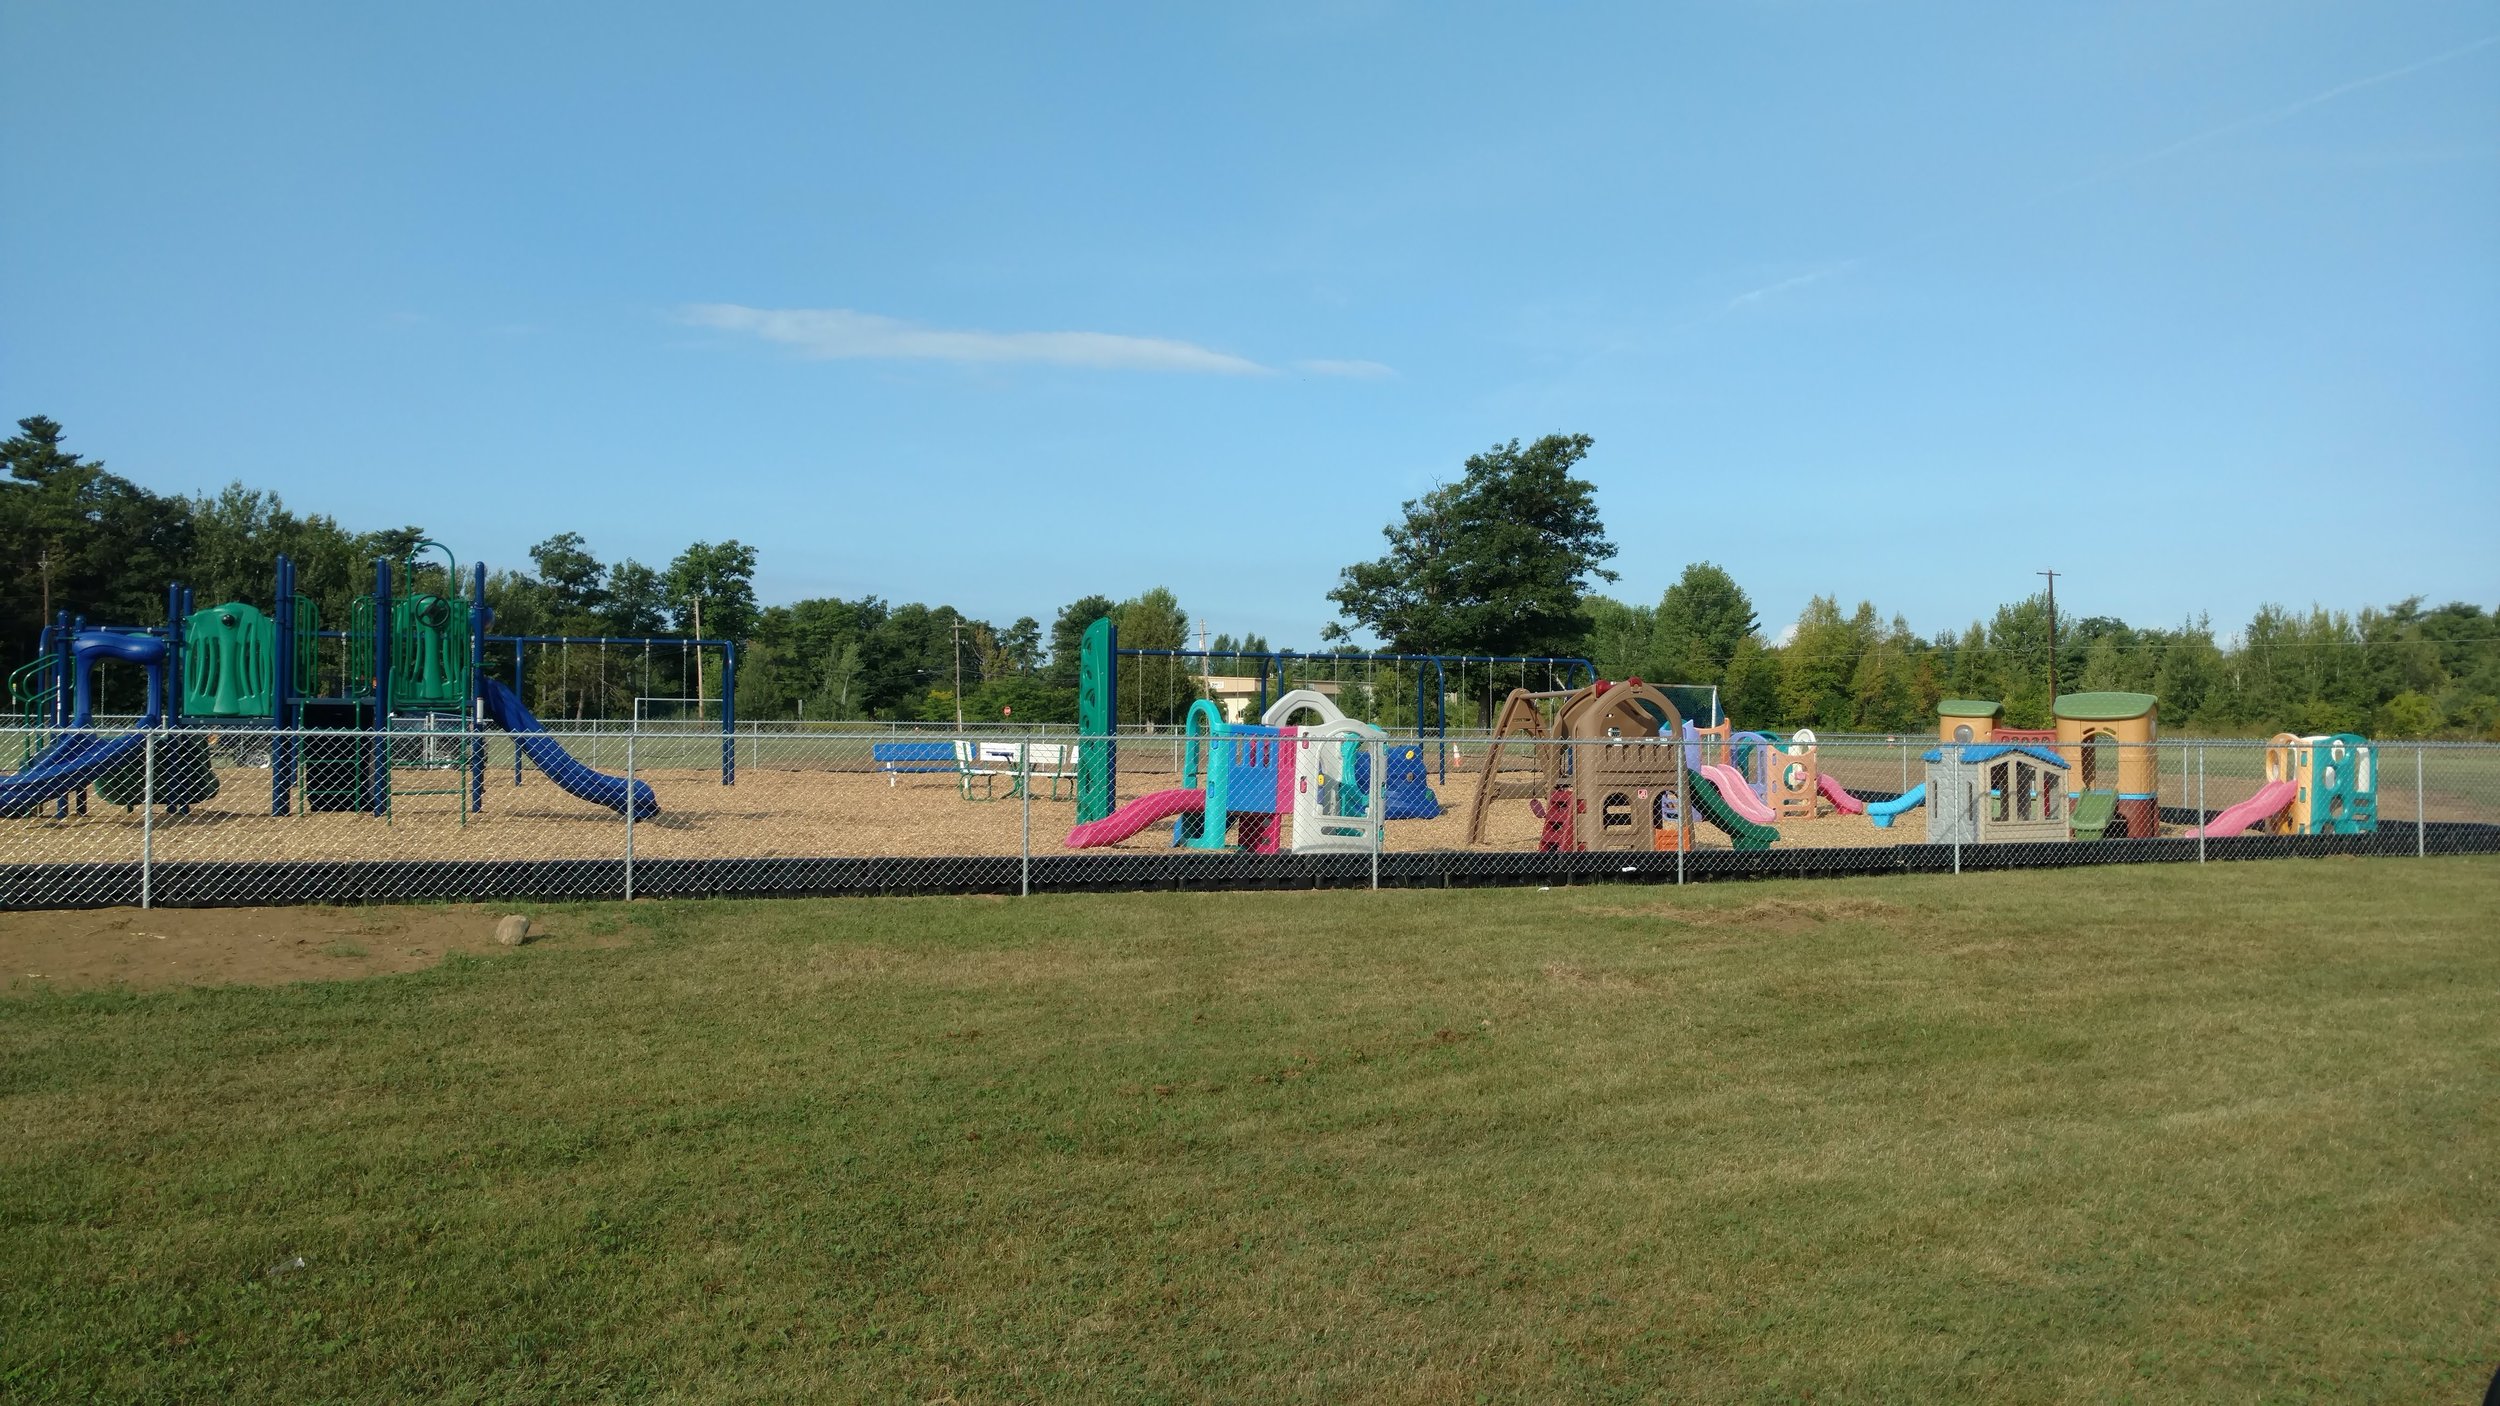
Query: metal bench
[897, 758]
[1027, 762]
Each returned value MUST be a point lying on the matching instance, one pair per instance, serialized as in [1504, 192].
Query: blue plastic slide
[1882, 812]
[548, 755]
[73, 762]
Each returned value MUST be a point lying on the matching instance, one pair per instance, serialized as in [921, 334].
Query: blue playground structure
[411, 663]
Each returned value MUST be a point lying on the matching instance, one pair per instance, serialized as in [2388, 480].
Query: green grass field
[2161, 1134]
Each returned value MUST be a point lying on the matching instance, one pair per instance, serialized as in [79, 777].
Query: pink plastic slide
[2270, 799]
[1136, 816]
[1738, 794]
[1838, 795]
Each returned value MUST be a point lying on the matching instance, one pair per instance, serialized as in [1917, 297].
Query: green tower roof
[2104, 707]
[1968, 708]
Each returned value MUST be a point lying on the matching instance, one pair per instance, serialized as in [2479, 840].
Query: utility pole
[958, 631]
[2052, 634]
[45, 563]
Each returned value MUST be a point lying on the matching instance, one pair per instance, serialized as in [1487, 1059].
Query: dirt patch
[1805, 912]
[1773, 914]
[155, 948]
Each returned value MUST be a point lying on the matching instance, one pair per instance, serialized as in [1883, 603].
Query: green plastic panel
[1097, 775]
[229, 662]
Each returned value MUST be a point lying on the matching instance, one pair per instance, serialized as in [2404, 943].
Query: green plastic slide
[1712, 806]
[2093, 812]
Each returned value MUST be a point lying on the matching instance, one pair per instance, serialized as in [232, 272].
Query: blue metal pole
[1440, 716]
[477, 690]
[728, 714]
[175, 601]
[519, 650]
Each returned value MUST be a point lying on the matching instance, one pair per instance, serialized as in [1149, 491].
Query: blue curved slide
[67, 765]
[1882, 812]
[75, 761]
[548, 755]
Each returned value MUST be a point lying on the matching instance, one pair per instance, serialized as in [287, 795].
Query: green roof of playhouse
[1968, 708]
[2104, 707]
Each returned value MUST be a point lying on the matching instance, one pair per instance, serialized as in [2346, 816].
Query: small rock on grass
[513, 930]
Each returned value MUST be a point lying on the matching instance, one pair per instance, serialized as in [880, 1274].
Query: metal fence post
[1024, 780]
[629, 815]
[2203, 818]
[1683, 815]
[1378, 803]
[1905, 770]
[147, 824]
[2420, 810]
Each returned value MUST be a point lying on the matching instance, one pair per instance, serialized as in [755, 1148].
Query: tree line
[1508, 559]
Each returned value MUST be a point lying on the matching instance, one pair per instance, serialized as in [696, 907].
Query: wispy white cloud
[2108, 173]
[2271, 116]
[844, 333]
[1790, 285]
[1351, 369]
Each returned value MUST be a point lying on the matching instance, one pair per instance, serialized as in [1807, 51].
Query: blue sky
[1002, 306]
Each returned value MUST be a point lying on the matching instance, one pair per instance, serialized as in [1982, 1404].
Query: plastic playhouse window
[1998, 785]
[1961, 732]
[2051, 801]
[2026, 792]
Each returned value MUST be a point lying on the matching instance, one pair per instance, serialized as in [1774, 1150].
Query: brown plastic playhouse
[1591, 797]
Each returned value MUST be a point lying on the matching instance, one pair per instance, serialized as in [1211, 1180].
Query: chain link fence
[195, 816]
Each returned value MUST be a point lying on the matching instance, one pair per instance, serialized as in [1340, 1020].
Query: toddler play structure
[2094, 776]
[2100, 757]
[1995, 793]
[412, 666]
[1280, 669]
[1601, 768]
[1405, 789]
[1266, 787]
[2324, 785]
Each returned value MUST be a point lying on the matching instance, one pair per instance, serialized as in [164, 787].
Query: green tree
[1750, 691]
[1157, 691]
[1067, 635]
[1497, 563]
[711, 589]
[575, 582]
[1620, 637]
[1887, 689]
[2018, 638]
[1699, 622]
[85, 540]
[1819, 664]
[637, 600]
[1020, 646]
